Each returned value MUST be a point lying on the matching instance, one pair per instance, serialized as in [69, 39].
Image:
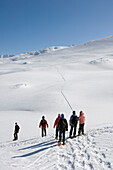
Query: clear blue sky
[29, 25]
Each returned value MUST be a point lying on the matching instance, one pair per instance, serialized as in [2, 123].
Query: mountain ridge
[92, 43]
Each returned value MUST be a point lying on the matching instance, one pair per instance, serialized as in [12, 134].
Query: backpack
[63, 125]
[17, 128]
[74, 120]
[43, 123]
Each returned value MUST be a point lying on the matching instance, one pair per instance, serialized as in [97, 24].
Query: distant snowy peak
[6, 56]
[37, 53]
[46, 50]
[42, 51]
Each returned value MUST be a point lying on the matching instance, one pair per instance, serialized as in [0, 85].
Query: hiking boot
[70, 137]
[64, 144]
[56, 138]
[74, 136]
[79, 135]
[59, 144]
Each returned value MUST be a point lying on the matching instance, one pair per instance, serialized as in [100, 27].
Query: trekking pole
[67, 100]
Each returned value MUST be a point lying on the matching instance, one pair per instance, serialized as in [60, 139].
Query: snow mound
[102, 60]
[16, 86]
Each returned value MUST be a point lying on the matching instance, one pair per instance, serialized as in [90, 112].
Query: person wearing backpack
[56, 124]
[43, 124]
[81, 123]
[73, 123]
[16, 131]
[63, 127]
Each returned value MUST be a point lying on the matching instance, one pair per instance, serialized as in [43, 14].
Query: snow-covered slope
[38, 83]
[93, 151]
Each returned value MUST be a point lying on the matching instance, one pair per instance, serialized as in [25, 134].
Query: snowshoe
[70, 137]
[74, 136]
[59, 144]
[79, 134]
[56, 138]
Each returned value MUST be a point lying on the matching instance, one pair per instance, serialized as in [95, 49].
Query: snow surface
[43, 83]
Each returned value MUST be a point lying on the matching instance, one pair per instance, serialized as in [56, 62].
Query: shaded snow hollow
[52, 81]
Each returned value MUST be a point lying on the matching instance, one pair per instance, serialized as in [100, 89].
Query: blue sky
[29, 25]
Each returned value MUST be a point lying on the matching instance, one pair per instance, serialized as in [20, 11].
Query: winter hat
[62, 115]
[81, 113]
[43, 117]
[74, 113]
[59, 115]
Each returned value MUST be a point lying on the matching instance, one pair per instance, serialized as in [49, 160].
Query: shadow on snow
[38, 145]
[45, 145]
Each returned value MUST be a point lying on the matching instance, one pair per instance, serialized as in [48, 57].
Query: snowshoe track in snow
[82, 152]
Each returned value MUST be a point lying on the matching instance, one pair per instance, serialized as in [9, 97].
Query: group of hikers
[61, 127]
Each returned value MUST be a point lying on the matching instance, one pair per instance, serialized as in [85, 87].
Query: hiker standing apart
[62, 126]
[43, 124]
[81, 123]
[56, 124]
[73, 123]
[16, 131]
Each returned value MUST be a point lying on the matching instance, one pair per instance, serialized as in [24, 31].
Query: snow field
[52, 81]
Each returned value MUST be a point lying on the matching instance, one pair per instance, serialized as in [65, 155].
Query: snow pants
[57, 132]
[62, 134]
[43, 132]
[15, 135]
[81, 129]
[71, 130]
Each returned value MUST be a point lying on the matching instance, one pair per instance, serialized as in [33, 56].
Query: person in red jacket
[81, 123]
[56, 124]
[43, 124]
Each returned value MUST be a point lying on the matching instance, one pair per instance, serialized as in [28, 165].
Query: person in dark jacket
[73, 123]
[62, 126]
[43, 124]
[56, 124]
[16, 131]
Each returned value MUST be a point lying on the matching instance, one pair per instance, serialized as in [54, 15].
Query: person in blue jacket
[73, 123]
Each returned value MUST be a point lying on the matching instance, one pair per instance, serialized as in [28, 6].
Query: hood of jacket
[81, 114]
[59, 116]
